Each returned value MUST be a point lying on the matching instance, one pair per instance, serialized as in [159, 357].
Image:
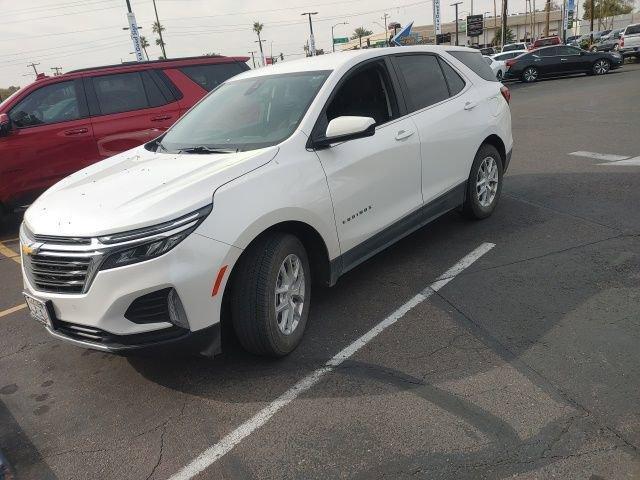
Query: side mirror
[5, 124]
[345, 128]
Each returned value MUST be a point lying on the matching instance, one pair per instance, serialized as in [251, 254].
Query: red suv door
[128, 109]
[51, 137]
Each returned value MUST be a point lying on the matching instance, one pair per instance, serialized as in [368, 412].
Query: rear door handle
[563, 59]
[159, 118]
[76, 131]
[470, 105]
[402, 134]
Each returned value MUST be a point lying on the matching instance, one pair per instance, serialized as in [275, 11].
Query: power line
[22, 11]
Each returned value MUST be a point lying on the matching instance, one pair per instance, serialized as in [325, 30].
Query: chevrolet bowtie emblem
[27, 249]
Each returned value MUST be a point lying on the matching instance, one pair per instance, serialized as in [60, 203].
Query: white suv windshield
[246, 114]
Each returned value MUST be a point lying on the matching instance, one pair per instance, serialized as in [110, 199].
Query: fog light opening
[177, 315]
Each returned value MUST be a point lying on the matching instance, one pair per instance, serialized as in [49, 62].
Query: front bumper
[190, 268]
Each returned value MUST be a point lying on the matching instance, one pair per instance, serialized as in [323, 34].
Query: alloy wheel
[289, 294]
[487, 181]
[530, 74]
[601, 67]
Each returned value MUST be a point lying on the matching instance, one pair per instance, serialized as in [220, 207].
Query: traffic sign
[338, 40]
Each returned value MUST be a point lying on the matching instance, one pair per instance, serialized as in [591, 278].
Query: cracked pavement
[524, 366]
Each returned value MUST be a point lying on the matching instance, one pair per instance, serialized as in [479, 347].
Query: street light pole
[312, 41]
[333, 43]
[456, 6]
[253, 59]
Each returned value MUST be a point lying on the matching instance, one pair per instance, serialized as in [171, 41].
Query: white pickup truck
[630, 41]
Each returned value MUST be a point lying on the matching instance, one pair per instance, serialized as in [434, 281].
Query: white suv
[630, 41]
[281, 178]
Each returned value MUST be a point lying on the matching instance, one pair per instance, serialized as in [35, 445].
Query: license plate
[38, 309]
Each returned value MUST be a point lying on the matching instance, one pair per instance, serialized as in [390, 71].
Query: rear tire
[485, 183]
[530, 75]
[272, 274]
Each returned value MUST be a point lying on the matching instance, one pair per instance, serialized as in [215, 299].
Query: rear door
[547, 61]
[439, 98]
[572, 60]
[51, 138]
[128, 109]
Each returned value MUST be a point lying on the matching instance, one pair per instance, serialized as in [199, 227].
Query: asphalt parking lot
[525, 365]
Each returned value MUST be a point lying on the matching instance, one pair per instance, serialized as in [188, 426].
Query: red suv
[545, 42]
[58, 125]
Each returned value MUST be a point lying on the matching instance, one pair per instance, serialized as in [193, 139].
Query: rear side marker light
[216, 285]
[510, 63]
[505, 93]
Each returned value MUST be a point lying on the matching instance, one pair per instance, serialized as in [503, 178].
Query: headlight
[149, 242]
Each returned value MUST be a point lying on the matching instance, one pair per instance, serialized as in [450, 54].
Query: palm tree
[257, 27]
[158, 28]
[144, 43]
[359, 33]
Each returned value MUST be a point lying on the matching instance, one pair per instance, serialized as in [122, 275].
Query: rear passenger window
[154, 94]
[632, 30]
[210, 76]
[456, 84]
[120, 93]
[424, 80]
[476, 63]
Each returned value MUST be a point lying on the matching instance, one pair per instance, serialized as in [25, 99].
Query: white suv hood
[135, 189]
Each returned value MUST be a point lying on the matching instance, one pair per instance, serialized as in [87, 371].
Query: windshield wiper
[202, 149]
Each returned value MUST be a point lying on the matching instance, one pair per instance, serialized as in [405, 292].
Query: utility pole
[484, 26]
[253, 59]
[57, 71]
[495, 19]
[547, 9]
[504, 21]
[135, 35]
[312, 41]
[33, 65]
[333, 43]
[456, 7]
[155, 9]
[384, 17]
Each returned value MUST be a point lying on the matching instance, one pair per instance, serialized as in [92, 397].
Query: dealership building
[524, 27]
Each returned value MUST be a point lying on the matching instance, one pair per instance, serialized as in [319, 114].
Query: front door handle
[159, 118]
[470, 105]
[76, 131]
[402, 134]
[563, 59]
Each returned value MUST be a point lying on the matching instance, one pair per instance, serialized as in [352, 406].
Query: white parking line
[217, 451]
[11, 310]
[607, 157]
[7, 252]
[629, 161]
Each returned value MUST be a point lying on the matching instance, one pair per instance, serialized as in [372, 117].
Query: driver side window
[366, 93]
[50, 104]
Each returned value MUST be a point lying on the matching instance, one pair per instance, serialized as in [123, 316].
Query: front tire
[530, 75]
[601, 67]
[485, 183]
[271, 295]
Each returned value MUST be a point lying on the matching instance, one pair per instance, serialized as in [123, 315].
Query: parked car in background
[560, 60]
[282, 179]
[545, 42]
[608, 42]
[573, 40]
[509, 47]
[506, 56]
[630, 41]
[58, 125]
[488, 51]
[497, 66]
